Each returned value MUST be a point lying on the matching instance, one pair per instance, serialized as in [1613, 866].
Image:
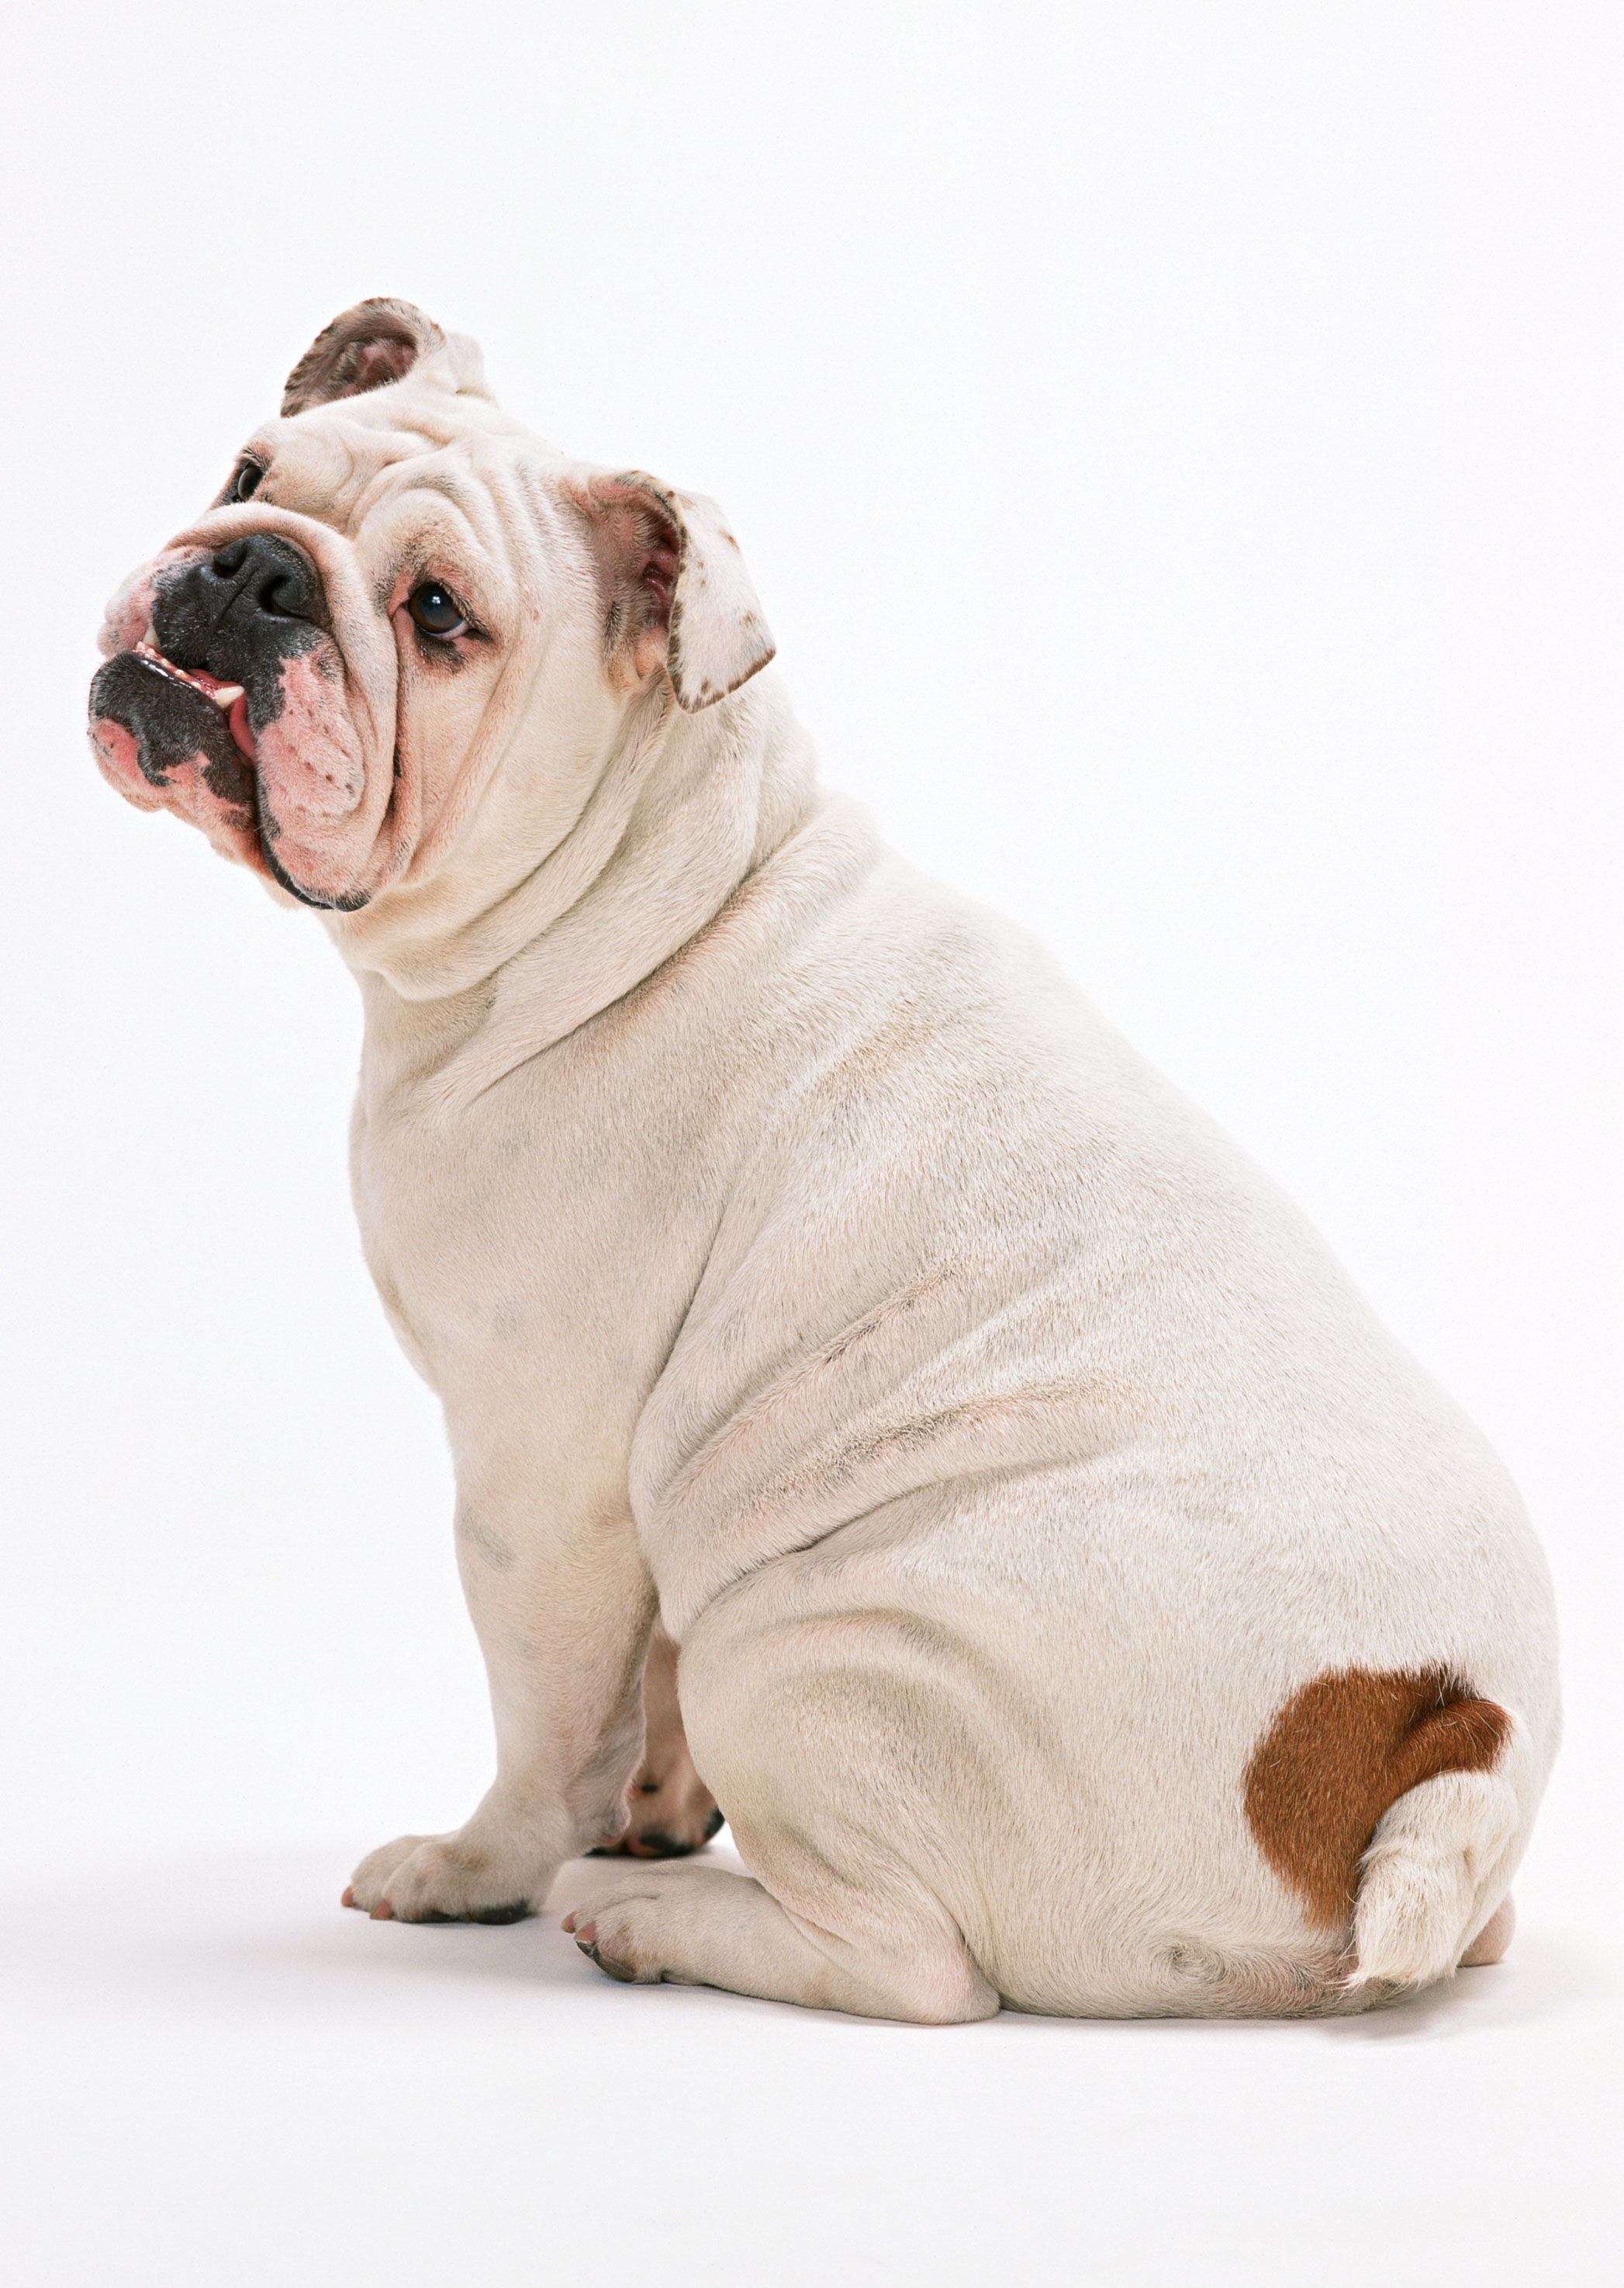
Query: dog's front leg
[564, 1611]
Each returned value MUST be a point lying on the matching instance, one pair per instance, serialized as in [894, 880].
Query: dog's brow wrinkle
[453, 485]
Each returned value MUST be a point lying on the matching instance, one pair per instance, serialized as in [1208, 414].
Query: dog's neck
[478, 974]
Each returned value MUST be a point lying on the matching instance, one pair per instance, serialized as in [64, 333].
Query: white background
[1178, 451]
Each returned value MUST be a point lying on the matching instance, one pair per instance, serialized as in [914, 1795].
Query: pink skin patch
[129, 616]
[312, 774]
[230, 826]
[310, 758]
[115, 751]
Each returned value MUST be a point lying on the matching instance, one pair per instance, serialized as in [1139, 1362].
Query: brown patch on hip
[1341, 1751]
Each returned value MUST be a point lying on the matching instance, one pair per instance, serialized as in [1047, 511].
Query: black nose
[239, 611]
[270, 575]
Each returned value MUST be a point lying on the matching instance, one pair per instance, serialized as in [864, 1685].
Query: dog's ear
[373, 343]
[676, 591]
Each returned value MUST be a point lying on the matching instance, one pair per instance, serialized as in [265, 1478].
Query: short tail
[1433, 1875]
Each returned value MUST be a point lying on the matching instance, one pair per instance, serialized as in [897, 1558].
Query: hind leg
[672, 1811]
[1491, 1941]
[703, 1926]
[827, 1759]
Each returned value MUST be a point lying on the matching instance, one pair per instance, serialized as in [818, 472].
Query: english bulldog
[1083, 1604]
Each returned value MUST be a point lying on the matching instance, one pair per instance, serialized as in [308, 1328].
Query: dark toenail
[514, 1911]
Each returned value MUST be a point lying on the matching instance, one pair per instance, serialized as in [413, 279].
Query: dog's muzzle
[189, 705]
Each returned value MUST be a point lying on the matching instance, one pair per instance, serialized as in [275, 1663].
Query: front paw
[441, 1879]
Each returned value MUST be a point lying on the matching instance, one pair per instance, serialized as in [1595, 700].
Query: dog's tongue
[236, 720]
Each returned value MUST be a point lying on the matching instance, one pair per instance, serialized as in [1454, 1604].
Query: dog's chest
[549, 1235]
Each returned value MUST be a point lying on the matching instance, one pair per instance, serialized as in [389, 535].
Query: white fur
[796, 1254]
[1436, 1865]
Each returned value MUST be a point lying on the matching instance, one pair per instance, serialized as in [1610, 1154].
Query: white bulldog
[1083, 1604]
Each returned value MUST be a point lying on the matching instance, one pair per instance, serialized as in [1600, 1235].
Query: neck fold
[685, 807]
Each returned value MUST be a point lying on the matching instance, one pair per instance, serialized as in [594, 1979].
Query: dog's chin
[166, 740]
[179, 739]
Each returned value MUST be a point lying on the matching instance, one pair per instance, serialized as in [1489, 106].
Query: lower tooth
[226, 696]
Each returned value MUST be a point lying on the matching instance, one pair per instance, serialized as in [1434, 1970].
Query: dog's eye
[246, 482]
[436, 611]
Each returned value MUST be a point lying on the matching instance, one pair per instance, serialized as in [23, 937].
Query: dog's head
[407, 625]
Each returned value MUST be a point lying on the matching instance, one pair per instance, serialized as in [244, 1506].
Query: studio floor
[217, 2076]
